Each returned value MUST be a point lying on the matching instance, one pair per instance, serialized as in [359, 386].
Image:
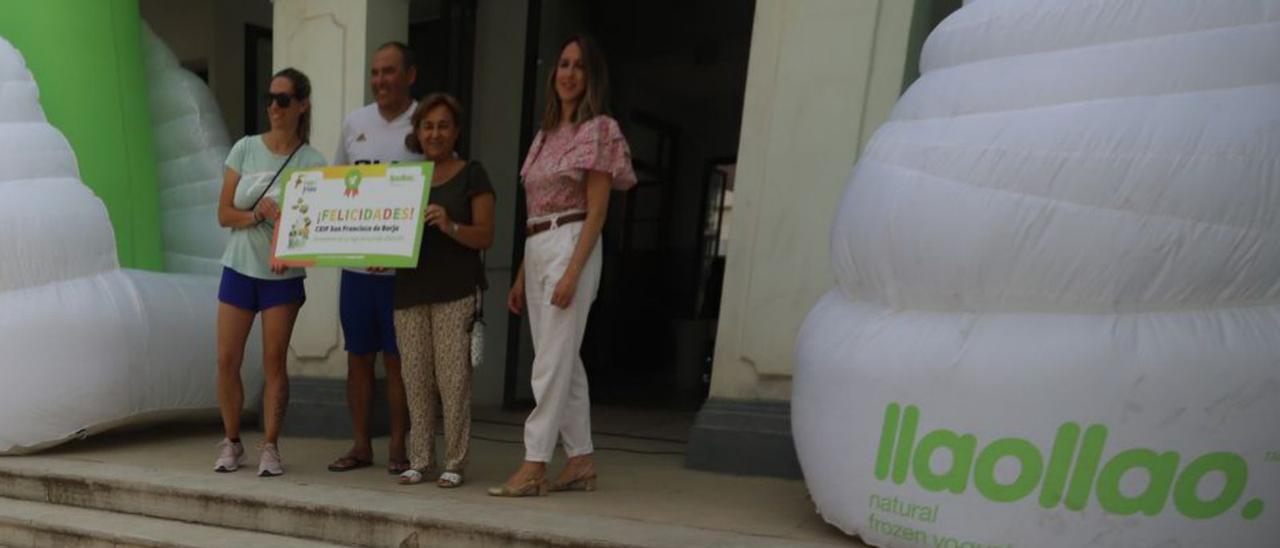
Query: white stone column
[497, 95]
[330, 41]
[822, 75]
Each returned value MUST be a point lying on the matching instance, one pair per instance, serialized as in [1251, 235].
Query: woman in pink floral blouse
[576, 157]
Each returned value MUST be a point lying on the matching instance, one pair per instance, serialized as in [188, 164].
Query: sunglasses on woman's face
[281, 100]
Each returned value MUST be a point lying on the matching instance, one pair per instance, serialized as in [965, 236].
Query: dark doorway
[927, 15]
[442, 37]
[678, 77]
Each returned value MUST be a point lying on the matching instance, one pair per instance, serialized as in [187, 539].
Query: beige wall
[331, 41]
[823, 75]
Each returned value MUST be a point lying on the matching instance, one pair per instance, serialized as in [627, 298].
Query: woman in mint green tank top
[252, 282]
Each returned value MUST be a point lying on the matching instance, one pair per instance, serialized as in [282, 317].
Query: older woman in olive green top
[435, 302]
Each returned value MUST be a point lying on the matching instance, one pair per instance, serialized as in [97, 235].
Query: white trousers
[559, 379]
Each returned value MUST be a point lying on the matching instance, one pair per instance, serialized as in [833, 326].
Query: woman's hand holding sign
[268, 210]
[437, 217]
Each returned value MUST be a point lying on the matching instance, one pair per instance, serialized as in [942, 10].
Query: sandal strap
[451, 477]
[352, 458]
[411, 474]
[349, 462]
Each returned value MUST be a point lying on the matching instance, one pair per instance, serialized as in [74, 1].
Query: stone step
[336, 514]
[25, 523]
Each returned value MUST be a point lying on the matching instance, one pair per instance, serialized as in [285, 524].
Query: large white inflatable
[87, 346]
[1057, 320]
[191, 146]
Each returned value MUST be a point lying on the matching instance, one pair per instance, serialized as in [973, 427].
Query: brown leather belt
[562, 220]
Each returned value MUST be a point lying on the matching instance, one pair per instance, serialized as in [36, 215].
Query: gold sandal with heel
[584, 483]
[537, 487]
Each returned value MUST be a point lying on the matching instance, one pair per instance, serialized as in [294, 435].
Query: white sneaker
[269, 462]
[230, 456]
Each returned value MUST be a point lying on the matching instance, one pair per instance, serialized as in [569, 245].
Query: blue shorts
[257, 294]
[365, 308]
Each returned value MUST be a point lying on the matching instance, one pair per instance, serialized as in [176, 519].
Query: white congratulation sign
[367, 215]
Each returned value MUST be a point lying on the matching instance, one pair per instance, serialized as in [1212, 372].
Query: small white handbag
[477, 332]
[477, 324]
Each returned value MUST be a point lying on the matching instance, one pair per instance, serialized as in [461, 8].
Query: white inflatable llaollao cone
[86, 345]
[191, 146]
[1057, 320]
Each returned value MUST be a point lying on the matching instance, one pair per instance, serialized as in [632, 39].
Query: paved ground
[642, 477]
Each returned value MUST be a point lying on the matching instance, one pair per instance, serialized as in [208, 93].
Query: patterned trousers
[435, 358]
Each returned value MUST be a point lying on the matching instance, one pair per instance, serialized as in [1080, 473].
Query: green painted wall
[86, 56]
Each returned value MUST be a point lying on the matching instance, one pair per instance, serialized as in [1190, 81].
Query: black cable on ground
[598, 447]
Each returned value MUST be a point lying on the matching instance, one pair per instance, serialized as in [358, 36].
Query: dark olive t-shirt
[447, 270]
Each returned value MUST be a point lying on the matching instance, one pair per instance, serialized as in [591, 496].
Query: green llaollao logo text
[1073, 473]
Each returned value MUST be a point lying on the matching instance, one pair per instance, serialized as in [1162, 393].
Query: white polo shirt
[368, 138]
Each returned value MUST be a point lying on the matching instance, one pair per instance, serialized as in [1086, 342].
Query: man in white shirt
[375, 134]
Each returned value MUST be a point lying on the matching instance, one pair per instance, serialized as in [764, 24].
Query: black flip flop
[347, 463]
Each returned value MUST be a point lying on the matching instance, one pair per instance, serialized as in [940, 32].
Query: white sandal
[449, 480]
[410, 477]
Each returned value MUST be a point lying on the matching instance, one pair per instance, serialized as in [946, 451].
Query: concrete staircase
[25, 523]
[54, 502]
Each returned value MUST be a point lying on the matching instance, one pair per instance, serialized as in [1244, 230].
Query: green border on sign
[360, 260]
